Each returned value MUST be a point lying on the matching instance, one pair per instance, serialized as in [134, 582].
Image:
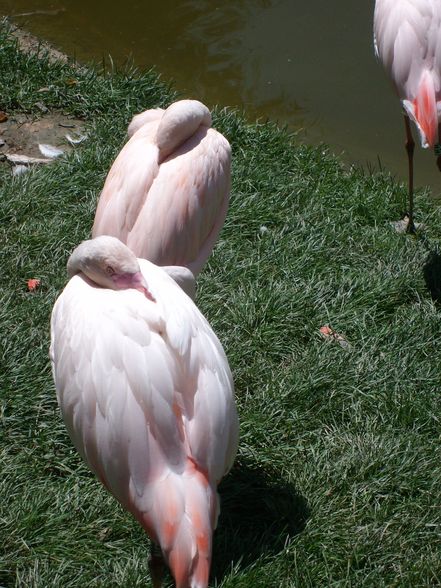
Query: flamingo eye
[109, 270]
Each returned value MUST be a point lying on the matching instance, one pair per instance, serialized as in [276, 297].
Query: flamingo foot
[410, 227]
[404, 226]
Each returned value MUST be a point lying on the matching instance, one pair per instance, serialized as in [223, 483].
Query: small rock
[21, 159]
[42, 107]
[331, 335]
[18, 170]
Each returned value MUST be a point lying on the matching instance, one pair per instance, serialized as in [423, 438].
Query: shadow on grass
[432, 275]
[6, 580]
[259, 513]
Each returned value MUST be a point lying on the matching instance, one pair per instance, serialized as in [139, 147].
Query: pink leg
[410, 147]
[438, 148]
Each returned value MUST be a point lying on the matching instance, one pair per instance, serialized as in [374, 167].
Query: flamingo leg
[438, 148]
[410, 148]
[156, 566]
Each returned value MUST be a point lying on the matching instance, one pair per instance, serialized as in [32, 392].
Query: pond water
[309, 65]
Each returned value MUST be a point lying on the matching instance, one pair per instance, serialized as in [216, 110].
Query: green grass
[338, 477]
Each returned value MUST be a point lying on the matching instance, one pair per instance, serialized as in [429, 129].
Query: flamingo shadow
[432, 275]
[259, 514]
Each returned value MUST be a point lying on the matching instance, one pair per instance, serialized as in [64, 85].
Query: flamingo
[147, 397]
[407, 39]
[167, 192]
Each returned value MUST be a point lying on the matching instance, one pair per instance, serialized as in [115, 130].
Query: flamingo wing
[127, 184]
[205, 400]
[115, 378]
[183, 277]
[186, 205]
[401, 30]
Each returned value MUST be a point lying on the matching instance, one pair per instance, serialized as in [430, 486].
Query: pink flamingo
[147, 397]
[407, 37]
[166, 195]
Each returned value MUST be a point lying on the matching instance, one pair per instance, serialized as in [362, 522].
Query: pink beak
[136, 281]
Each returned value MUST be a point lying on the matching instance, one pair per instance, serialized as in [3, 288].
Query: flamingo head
[108, 263]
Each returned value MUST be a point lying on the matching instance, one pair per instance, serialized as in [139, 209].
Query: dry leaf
[33, 284]
[330, 334]
[104, 533]
[3, 116]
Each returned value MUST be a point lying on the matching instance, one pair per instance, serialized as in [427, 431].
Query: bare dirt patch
[21, 133]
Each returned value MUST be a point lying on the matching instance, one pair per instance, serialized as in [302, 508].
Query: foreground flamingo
[146, 394]
[166, 195]
[407, 35]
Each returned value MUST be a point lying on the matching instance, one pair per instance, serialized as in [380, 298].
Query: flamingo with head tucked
[147, 397]
[166, 195]
[407, 37]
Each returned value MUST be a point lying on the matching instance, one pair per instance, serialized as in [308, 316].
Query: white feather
[50, 151]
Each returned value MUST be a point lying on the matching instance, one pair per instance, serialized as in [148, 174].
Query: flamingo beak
[135, 281]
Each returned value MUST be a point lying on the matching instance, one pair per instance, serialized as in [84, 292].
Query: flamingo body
[166, 195]
[146, 394]
[407, 35]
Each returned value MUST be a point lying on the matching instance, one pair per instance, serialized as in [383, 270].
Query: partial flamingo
[166, 195]
[147, 397]
[407, 37]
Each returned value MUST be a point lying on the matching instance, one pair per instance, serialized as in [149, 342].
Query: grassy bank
[338, 478]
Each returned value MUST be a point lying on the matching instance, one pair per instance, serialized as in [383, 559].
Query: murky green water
[309, 65]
